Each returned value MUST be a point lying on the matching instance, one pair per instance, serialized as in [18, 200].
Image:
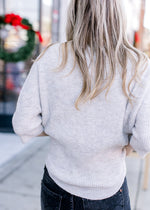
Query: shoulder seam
[43, 52]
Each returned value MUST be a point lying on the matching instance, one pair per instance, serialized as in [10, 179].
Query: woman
[91, 96]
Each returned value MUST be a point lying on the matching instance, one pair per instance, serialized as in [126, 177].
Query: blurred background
[21, 166]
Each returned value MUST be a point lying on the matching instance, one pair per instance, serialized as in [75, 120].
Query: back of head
[98, 23]
[101, 26]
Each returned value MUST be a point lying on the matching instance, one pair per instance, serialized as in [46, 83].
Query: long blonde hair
[100, 25]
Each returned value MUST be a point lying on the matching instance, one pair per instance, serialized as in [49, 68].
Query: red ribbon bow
[16, 20]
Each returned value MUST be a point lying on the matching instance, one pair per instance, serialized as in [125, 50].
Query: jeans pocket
[49, 199]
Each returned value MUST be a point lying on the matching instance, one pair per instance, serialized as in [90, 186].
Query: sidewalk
[20, 176]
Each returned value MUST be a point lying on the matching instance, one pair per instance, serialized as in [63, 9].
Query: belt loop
[72, 202]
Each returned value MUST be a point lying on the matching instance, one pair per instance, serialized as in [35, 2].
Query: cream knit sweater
[85, 149]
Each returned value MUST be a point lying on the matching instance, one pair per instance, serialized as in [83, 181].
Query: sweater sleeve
[27, 118]
[140, 138]
[139, 117]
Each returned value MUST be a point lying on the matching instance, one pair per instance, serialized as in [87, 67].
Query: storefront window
[13, 75]
[1, 6]
[27, 9]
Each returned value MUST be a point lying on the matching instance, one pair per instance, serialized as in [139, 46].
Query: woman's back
[85, 152]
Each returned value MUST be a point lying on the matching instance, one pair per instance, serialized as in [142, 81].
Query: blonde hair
[100, 25]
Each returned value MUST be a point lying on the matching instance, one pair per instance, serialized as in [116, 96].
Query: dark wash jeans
[54, 197]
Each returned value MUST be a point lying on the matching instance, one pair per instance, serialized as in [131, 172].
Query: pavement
[21, 170]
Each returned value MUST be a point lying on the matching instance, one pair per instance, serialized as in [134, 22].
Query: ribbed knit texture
[85, 149]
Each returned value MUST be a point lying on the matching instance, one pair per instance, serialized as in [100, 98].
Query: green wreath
[24, 52]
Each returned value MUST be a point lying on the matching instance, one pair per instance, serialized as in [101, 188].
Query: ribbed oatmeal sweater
[86, 156]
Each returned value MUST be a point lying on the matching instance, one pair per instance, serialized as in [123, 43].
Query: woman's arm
[27, 118]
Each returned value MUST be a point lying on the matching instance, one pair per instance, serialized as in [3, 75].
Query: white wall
[132, 8]
[63, 18]
[147, 15]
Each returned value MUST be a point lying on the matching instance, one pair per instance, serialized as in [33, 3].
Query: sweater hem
[95, 193]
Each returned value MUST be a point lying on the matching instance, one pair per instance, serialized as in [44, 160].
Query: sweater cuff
[141, 153]
[26, 138]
